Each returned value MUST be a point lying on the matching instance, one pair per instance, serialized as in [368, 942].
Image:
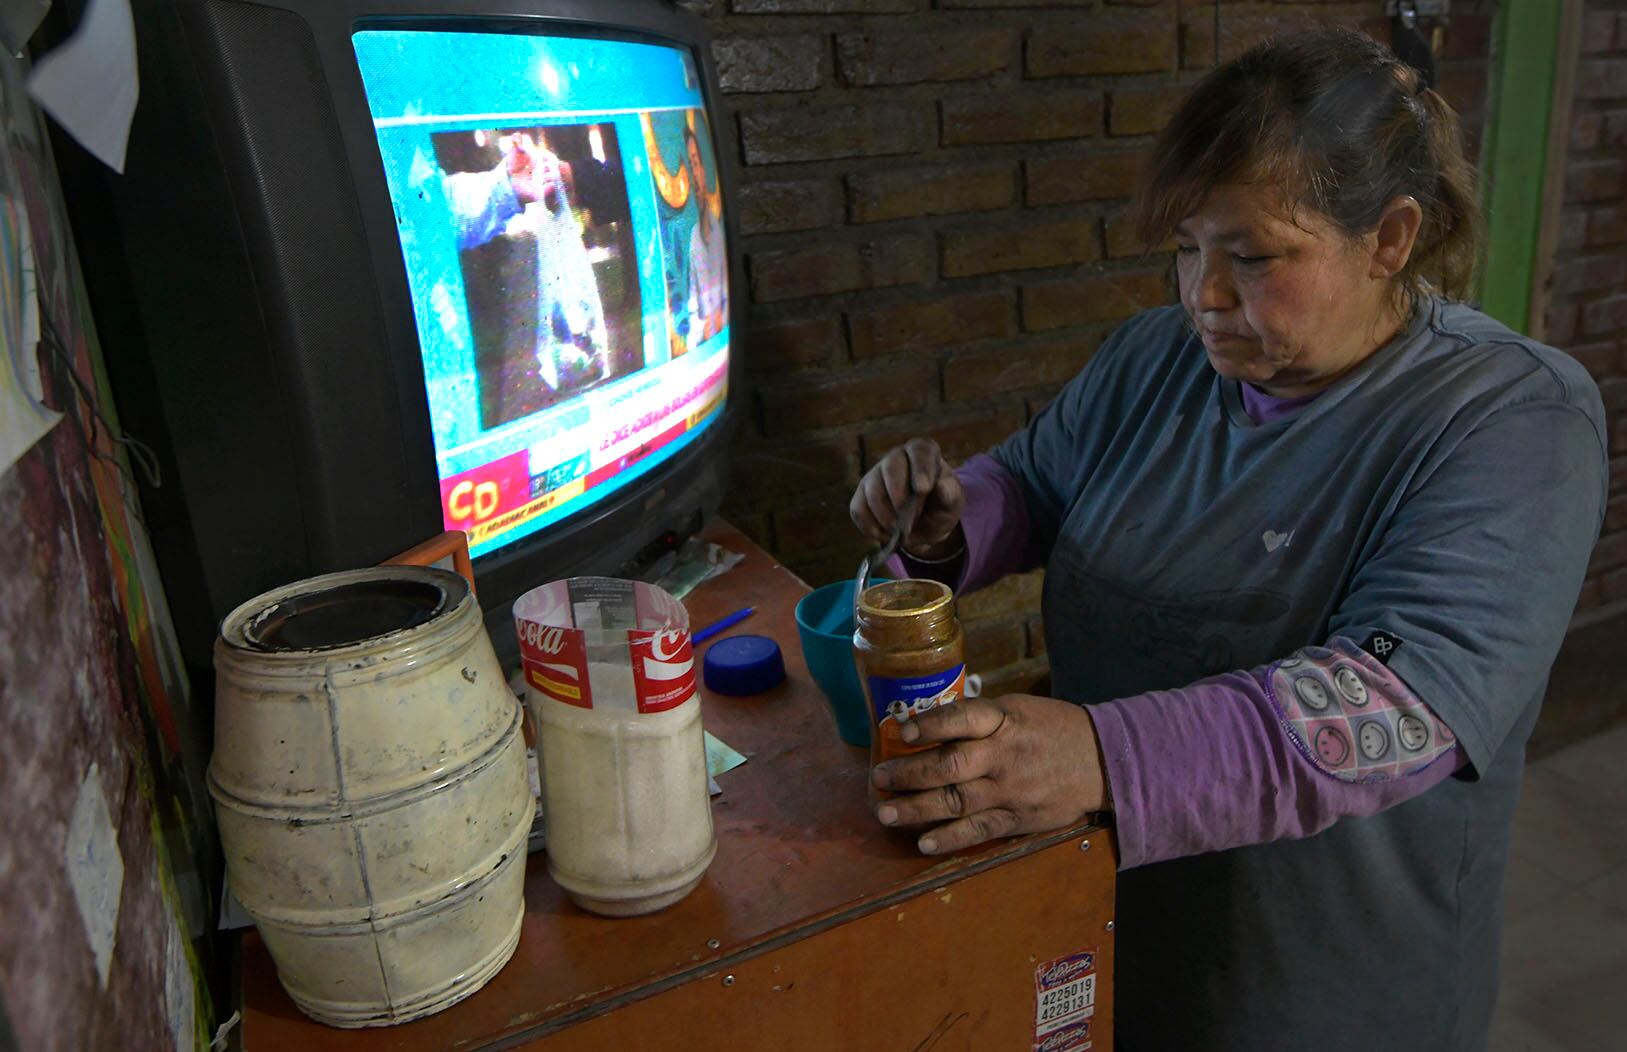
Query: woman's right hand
[916, 468]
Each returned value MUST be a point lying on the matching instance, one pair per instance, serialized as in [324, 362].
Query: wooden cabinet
[815, 929]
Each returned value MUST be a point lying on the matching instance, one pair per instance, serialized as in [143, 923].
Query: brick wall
[1587, 314]
[932, 199]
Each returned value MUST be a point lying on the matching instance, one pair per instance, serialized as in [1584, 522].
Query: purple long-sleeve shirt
[1242, 758]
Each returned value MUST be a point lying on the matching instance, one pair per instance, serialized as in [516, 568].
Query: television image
[552, 307]
[568, 274]
[379, 268]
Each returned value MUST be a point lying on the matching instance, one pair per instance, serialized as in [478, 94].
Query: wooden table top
[798, 852]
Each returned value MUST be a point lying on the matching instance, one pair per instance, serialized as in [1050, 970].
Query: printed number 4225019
[1071, 999]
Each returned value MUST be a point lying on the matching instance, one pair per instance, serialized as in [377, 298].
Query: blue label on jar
[903, 697]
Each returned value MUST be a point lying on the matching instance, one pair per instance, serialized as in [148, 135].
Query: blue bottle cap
[743, 665]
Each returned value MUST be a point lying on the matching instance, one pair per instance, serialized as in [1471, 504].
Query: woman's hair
[1342, 126]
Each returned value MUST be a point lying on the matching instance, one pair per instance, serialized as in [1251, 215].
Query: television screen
[560, 218]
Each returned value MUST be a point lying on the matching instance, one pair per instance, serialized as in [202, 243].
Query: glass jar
[911, 656]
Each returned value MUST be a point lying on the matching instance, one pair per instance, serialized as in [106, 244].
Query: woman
[1312, 539]
[708, 257]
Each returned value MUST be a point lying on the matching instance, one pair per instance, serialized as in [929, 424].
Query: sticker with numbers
[1064, 1001]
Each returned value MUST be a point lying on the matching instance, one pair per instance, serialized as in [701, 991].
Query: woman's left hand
[1009, 765]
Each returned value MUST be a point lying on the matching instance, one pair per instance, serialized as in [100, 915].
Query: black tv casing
[253, 306]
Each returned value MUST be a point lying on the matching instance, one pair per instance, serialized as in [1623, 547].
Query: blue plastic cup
[825, 624]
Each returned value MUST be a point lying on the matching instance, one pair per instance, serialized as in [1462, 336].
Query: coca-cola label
[663, 669]
[555, 662]
[1064, 1001]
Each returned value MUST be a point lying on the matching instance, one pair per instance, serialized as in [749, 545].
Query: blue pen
[721, 626]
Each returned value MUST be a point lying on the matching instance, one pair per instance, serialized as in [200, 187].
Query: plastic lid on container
[743, 665]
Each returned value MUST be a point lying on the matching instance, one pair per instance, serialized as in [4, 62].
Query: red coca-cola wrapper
[605, 643]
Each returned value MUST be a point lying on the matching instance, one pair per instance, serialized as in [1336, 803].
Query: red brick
[1238, 33]
[1018, 117]
[1605, 317]
[1101, 45]
[1592, 596]
[1586, 131]
[764, 470]
[1560, 328]
[1010, 247]
[1036, 637]
[1464, 87]
[1468, 37]
[979, 373]
[1609, 553]
[805, 403]
[1037, 404]
[1017, 594]
[777, 207]
[1615, 516]
[1613, 585]
[824, 7]
[1618, 474]
[994, 644]
[822, 270]
[1618, 436]
[868, 59]
[941, 322]
[827, 567]
[809, 343]
[1142, 111]
[958, 437]
[939, 190]
[1589, 272]
[1599, 359]
[967, 4]
[1615, 130]
[757, 64]
[1614, 393]
[1028, 677]
[1092, 177]
[1084, 301]
[1573, 230]
[1123, 241]
[1598, 31]
[1599, 180]
[1602, 78]
[1607, 226]
[814, 527]
[820, 133]
[750, 523]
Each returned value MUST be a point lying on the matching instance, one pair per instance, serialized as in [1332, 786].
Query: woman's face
[1286, 302]
[697, 172]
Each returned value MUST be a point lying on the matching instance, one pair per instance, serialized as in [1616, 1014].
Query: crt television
[379, 268]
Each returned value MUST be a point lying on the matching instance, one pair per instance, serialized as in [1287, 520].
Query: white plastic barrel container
[369, 778]
[610, 678]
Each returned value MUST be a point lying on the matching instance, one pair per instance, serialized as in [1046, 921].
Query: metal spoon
[901, 525]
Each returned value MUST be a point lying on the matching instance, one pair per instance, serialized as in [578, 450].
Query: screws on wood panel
[1109, 925]
[728, 980]
[1084, 845]
[712, 944]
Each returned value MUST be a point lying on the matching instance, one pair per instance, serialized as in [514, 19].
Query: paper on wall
[89, 84]
[18, 20]
[24, 418]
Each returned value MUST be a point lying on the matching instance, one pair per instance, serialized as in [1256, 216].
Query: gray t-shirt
[1441, 498]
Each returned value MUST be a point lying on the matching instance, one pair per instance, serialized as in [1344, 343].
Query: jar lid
[743, 665]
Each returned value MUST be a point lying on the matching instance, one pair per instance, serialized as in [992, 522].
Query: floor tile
[1611, 890]
[1510, 1033]
[1529, 884]
[1599, 761]
[1576, 830]
[1565, 974]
